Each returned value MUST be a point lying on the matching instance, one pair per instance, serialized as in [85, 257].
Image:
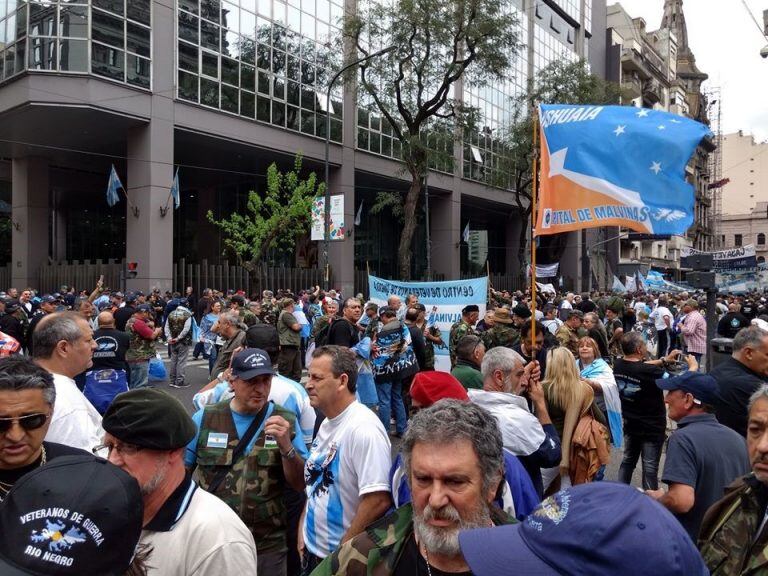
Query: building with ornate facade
[658, 70]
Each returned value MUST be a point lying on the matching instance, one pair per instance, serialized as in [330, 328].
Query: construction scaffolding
[715, 161]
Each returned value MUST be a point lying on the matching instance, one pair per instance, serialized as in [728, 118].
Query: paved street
[197, 376]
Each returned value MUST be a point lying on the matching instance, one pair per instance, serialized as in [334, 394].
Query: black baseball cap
[75, 515]
[251, 362]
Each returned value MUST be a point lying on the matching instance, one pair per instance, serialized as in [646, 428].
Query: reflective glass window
[138, 71]
[138, 39]
[108, 62]
[188, 86]
[188, 57]
[73, 21]
[73, 55]
[107, 29]
[139, 10]
[115, 6]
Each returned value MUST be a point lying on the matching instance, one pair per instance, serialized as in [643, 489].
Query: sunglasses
[28, 422]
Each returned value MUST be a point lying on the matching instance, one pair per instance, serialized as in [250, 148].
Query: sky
[726, 44]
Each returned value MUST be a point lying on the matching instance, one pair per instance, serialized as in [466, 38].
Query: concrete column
[514, 224]
[445, 223]
[59, 227]
[149, 240]
[30, 184]
[341, 253]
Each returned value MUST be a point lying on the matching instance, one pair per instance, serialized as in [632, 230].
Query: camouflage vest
[503, 335]
[458, 331]
[254, 485]
[139, 348]
[176, 321]
[268, 312]
[568, 338]
[727, 540]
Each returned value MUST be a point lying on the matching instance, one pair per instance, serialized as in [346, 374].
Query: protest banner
[443, 301]
[739, 258]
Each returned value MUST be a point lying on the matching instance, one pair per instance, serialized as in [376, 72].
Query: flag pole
[534, 191]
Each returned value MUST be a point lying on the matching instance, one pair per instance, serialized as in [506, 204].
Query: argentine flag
[615, 166]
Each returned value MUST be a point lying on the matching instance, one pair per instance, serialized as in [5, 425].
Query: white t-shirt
[208, 540]
[565, 305]
[658, 317]
[350, 457]
[75, 421]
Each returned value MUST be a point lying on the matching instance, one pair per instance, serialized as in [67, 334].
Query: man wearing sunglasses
[27, 395]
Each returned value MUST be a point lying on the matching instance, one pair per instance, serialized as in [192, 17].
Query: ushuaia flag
[615, 166]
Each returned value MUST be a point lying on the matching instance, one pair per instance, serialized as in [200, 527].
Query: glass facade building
[107, 38]
[262, 59]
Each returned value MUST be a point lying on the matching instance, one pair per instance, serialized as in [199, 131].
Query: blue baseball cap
[251, 362]
[702, 386]
[596, 529]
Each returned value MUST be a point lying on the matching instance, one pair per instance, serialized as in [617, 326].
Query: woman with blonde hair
[599, 375]
[568, 397]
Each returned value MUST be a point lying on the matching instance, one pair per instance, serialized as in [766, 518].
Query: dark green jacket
[378, 550]
[469, 376]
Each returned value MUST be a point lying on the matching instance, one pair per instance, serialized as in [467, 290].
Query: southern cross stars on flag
[615, 166]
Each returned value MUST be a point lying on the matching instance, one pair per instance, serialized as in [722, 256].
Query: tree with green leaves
[275, 220]
[439, 46]
[560, 82]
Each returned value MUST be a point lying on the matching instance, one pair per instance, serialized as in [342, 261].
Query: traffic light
[132, 269]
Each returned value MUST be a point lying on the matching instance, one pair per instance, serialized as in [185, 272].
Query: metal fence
[82, 275]
[225, 276]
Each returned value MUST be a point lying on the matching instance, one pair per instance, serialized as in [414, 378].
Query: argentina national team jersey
[349, 458]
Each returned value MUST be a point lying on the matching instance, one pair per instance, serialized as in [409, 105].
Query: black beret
[471, 308]
[522, 311]
[149, 418]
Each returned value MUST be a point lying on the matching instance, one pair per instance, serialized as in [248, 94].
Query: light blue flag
[615, 166]
[175, 190]
[618, 286]
[639, 282]
[359, 215]
[113, 186]
[465, 234]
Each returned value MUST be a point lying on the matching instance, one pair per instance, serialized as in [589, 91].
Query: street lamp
[327, 235]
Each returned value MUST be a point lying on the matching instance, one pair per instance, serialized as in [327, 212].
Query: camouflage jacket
[729, 539]
[458, 331]
[248, 318]
[568, 338]
[254, 485]
[378, 549]
[176, 321]
[139, 348]
[429, 348]
[268, 312]
[501, 335]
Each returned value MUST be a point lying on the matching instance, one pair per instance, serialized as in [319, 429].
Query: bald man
[110, 373]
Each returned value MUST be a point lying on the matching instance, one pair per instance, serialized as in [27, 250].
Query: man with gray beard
[453, 459]
[192, 532]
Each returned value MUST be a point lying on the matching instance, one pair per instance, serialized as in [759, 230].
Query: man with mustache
[454, 460]
[733, 538]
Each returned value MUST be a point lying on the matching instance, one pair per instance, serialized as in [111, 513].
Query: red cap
[430, 386]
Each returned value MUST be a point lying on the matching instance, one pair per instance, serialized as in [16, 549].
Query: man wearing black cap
[10, 323]
[77, 515]
[48, 305]
[464, 327]
[246, 453]
[192, 532]
[124, 313]
[703, 456]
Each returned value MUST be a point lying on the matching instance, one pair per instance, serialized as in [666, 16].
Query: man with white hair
[533, 439]
[453, 458]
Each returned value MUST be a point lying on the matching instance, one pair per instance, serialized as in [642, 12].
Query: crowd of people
[326, 442]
